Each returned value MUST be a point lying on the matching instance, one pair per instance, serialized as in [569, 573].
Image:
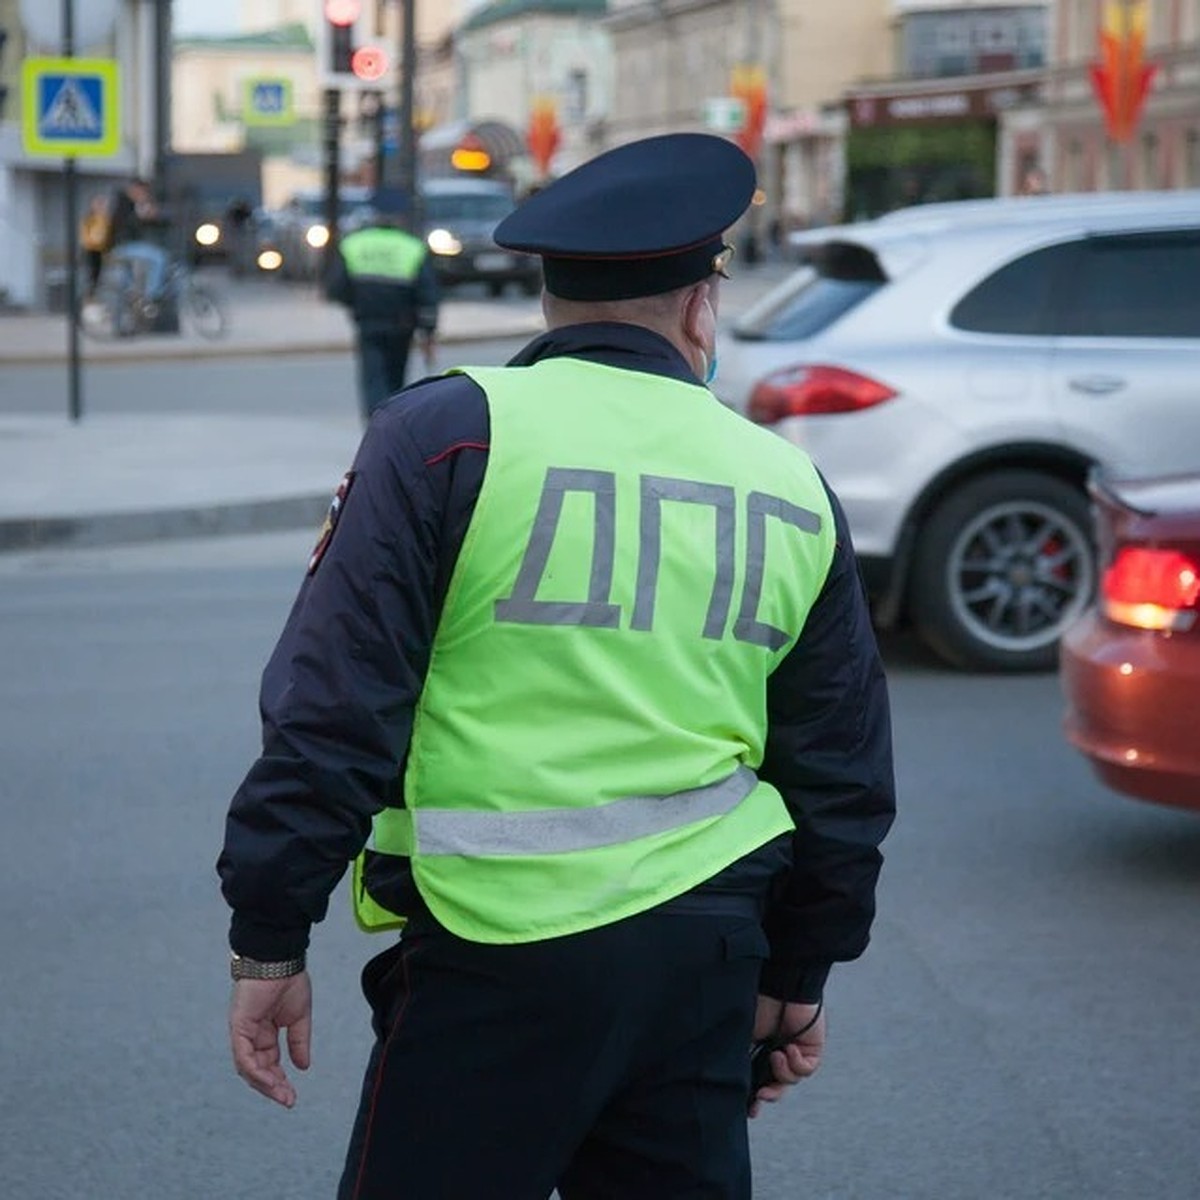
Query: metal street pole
[162, 94]
[74, 391]
[332, 133]
[408, 140]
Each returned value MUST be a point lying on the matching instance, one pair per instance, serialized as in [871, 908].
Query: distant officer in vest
[383, 275]
[582, 681]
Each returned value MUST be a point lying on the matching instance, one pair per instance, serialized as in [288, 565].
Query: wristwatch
[241, 967]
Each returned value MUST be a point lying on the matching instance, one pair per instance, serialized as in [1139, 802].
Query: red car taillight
[807, 391]
[1151, 589]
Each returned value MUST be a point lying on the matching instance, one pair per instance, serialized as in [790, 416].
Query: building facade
[1163, 149]
[960, 116]
[678, 64]
[525, 61]
[33, 236]
[211, 111]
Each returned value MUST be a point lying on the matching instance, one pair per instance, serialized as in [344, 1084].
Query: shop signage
[901, 108]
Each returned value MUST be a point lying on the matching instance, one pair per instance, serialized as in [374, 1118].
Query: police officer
[383, 275]
[582, 679]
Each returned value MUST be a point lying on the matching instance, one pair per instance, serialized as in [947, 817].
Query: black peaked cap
[639, 220]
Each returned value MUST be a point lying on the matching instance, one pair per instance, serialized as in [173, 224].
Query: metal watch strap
[241, 967]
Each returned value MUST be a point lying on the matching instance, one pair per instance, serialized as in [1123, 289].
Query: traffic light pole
[74, 390]
[332, 131]
[408, 138]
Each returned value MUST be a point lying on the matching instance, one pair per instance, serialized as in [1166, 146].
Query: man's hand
[429, 353]
[259, 1010]
[800, 1057]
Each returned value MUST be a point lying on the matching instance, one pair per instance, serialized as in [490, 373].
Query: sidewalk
[266, 317]
[116, 480]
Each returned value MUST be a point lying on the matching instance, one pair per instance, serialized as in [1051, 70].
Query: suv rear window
[1019, 297]
[1126, 285]
[838, 277]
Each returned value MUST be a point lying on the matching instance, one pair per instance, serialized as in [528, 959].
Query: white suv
[956, 370]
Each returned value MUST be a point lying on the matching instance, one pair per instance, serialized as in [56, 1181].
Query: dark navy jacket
[339, 692]
[383, 305]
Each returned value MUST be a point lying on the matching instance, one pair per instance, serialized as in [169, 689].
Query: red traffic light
[369, 63]
[342, 12]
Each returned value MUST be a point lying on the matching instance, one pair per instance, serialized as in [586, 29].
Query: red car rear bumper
[1133, 708]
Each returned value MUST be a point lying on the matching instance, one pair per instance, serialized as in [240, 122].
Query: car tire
[1003, 565]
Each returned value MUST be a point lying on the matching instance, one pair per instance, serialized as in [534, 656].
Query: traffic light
[352, 52]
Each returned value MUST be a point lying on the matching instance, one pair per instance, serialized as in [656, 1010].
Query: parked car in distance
[1130, 667]
[301, 231]
[956, 371]
[460, 216]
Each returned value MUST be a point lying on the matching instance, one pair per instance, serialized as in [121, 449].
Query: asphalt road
[1022, 1027]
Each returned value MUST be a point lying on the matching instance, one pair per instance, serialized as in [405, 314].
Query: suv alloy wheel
[1002, 567]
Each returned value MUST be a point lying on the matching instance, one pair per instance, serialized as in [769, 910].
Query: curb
[130, 528]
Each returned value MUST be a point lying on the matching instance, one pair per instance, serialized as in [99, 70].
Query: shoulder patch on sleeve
[331, 521]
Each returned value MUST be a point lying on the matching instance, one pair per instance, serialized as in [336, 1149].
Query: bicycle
[120, 306]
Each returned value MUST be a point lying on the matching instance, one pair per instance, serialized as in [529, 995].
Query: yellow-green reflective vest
[389, 255]
[639, 560]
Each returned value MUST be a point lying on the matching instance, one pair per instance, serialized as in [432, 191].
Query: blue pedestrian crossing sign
[267, 102]
[69, 107]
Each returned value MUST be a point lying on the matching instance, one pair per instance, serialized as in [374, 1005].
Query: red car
[1130, 667]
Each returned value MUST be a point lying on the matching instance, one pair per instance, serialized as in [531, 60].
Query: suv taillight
[1151, 588]
[807, 391]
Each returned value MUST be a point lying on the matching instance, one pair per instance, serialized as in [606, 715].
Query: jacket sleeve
[337, 699]
[829, 751]
[338, 285]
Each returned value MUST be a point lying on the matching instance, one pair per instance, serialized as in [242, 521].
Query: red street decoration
[543, 135]
[1122, 77]
[749, 84]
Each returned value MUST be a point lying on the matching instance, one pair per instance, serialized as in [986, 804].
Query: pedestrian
[1033, 182]
[239, 215]
[95, 237]
[582, 680]
[383, 275]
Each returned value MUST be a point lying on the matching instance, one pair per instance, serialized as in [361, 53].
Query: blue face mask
[710, 371]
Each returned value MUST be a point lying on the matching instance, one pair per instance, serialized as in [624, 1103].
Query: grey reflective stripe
[723, 499]
[566, 830]
[759, 506]
[523, 606]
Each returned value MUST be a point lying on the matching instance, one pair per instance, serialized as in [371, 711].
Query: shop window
[1150, 174]
[1114, 166]
[1075, 181]
[1191, 158]
[575, 96]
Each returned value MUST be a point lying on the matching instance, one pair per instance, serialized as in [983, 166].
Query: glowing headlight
[442, 241]
[317, 236]
[270, 260]
[208, 234]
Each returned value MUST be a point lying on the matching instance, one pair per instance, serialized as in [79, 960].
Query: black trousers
[382, 363]
[610, 1064]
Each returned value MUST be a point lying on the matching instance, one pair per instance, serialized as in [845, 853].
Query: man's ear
[693, 315]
